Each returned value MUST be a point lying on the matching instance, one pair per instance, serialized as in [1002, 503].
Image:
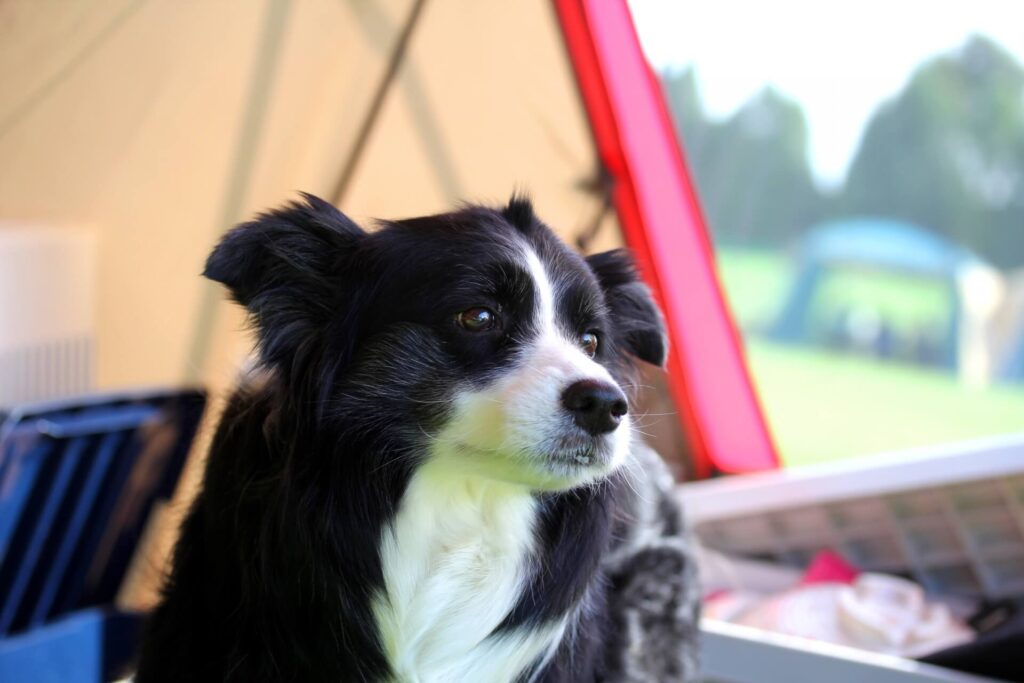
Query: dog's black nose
[595, 406]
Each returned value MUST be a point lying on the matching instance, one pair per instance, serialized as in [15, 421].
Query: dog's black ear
[637, 318]
[287, 267]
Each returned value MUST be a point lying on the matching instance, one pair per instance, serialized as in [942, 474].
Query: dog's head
[474, 339]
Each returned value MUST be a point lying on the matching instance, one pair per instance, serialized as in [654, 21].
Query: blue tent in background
[879, 244]
[1013, 369]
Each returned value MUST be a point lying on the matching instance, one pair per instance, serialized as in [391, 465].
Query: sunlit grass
[824, 405]
[755, 283]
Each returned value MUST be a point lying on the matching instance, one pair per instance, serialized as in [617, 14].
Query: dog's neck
[456, 559]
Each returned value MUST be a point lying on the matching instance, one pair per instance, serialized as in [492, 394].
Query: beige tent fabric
[158, 123]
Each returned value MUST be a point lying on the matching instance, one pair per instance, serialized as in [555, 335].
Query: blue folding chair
[78, 480]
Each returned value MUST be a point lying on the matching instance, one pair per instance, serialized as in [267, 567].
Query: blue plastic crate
[78, 480]
[87, 647]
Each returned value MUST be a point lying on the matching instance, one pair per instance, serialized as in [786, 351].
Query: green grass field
[825, 406]
[755, 283]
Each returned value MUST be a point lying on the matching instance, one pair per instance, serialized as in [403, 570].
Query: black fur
[637, 319]
[278, 559]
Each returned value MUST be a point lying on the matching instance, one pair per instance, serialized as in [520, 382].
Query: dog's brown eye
[589, 342]
[477, 319]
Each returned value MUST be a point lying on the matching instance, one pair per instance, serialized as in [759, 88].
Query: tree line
[946, 153]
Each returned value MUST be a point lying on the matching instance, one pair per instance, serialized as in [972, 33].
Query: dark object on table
[997, 652]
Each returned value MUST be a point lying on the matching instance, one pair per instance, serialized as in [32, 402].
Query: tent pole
[253, 115]
[377, 103]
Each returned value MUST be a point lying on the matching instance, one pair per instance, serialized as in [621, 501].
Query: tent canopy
[157, 124]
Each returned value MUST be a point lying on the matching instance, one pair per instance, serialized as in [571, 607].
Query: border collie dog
[434, 476]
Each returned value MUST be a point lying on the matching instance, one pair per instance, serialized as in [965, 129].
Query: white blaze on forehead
[554, 349]
[544, 292]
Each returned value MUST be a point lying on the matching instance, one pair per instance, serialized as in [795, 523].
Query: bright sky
[838, 59]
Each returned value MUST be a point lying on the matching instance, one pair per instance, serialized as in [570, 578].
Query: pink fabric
[829, 567]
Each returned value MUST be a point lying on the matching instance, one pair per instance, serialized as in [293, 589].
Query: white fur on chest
[455, 562]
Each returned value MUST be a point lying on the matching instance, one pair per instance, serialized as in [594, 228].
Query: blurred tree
[948, 153]
[751, 170]
[692, 125]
